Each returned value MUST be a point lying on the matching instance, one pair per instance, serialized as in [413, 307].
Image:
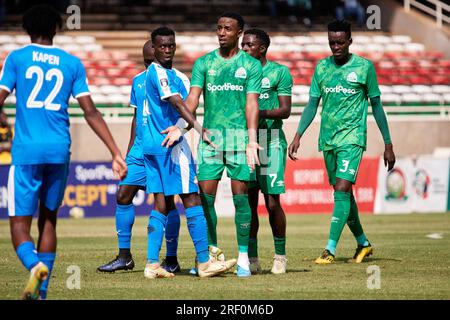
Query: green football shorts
[211, 164]
[270, 175]
[343, 162]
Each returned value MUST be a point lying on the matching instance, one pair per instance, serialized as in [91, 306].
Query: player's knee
[343, 185]
[191, 200]
[123, 197]
[273, 206]
[161, 208]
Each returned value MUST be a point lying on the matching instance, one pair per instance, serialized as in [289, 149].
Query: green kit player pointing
[231, 83]
[344, 81]
[274, 105]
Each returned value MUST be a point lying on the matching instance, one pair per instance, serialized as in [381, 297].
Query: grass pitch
[411, 264]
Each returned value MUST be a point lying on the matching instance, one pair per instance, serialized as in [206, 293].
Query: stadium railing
[438, 12]
[121, 114]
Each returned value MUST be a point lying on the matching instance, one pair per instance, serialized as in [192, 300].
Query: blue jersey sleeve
[80, 86]
[8, 74]
[133, 100]
[166, 86]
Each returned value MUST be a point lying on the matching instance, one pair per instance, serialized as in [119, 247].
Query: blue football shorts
[136, 175]
[171, 173]
[29, 184]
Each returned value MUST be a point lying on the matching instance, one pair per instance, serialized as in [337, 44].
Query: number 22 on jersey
[49, 75]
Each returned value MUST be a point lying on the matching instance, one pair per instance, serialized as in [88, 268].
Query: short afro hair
[340, 25]
[42, 21]
[261, 35]
[235, 16]
[162, 31]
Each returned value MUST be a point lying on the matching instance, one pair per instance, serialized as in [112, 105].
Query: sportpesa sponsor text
[224, 87]
[338, 89]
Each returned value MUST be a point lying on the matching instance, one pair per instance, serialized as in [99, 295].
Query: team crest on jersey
[212, 72]
[164, 82]
[352, 77]
[265, 83]
[240, 73]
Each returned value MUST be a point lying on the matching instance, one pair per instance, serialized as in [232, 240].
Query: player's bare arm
[97, 123]
[283, 112]
[132, 133]
[252, 115]
[183, 110]
[3, 95]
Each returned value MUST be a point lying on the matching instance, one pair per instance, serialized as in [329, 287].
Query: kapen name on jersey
[46, 58]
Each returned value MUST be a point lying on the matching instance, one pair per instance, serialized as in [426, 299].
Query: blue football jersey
[160, 84]
[44, 77]
[137, 100]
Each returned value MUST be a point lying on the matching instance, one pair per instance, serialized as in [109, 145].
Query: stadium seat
[84, 39]
[63, 39]
[391, 99]
[442, 89]
[414, 47]
[446, 98]
[100, 98]
[7, 39]
[432, 98]
[381, 39]
[401, 39]
[421, 89]
[22, 40]
[385, 89]
[411, 98]
[401, 89]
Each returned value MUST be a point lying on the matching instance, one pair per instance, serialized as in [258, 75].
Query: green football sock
[353, 218]
[243, 219]
[340, 215]
[211, 217]
[355, 225]
[253, 248]
[280, 245]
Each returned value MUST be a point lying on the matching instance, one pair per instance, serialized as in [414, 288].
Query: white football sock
[243, 260]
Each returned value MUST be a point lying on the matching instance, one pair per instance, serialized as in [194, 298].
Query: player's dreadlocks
[42, 21]
[341, 25]
[261, 35]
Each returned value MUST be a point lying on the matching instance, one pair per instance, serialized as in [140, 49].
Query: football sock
[355, 225]
[48, 258]
[27, 254]
[198, 230]
[124, 224]
[172, 233]
[253, 247]
[339, 219]
[211, 217]
[243, 261]
[280, 245]
[242, 219]
[155, 233]
[125, 253]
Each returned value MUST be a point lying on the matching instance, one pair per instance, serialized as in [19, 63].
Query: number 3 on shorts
[345, 166]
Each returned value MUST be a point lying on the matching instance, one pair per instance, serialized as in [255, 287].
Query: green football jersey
[225, 84]
[344, 91]
[276, 81]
